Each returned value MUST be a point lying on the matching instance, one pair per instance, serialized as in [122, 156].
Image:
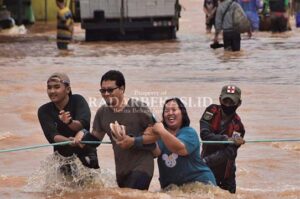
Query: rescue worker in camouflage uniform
[221, 123]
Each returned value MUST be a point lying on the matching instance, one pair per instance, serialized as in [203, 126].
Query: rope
[94, 142]
[274, 140]
[47, 145]
[34, 147]
[219, 142]
[251, 141]
[100, 142]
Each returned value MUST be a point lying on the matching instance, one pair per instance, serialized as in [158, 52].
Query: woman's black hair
[185, 117]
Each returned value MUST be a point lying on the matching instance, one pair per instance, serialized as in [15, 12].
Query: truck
[129, 19]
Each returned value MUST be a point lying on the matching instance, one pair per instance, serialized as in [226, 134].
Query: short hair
[185, 117]
[114, 75]
[60, 1]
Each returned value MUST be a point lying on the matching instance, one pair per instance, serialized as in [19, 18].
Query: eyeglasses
[109, 90]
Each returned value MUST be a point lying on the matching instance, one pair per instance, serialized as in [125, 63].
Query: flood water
[267, 70]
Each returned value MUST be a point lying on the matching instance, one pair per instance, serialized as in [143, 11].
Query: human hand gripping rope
[120, 134]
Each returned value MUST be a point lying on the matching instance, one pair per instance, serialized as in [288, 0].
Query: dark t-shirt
[52, 125]
[136, 116]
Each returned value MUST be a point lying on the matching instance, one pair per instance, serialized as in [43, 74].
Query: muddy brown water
[267, 71]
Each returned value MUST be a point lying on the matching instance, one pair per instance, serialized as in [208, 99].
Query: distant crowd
[263, 15]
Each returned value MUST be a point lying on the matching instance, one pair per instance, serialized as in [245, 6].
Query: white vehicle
[129, 19]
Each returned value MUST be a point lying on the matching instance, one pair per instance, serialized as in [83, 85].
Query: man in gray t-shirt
[133, 156]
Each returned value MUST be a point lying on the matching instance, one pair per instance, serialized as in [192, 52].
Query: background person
[251, 8]
[65, 25]
[278, 15]
[210, 8]
[296, 11]
[224, 22]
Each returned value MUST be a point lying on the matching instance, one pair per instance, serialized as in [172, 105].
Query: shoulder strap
[226, 10]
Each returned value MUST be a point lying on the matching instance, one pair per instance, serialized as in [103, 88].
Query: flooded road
[267, 70]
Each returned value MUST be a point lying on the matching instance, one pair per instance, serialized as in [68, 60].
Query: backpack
[240, 20]
[241, 23]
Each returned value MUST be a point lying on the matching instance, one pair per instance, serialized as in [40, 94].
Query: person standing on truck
[65, 25]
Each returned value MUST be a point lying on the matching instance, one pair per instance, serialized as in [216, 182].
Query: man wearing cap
[221, 123]
[64, 117]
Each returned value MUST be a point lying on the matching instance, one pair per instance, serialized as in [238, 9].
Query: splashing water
[5, 135]
[196, 190]
[58, 175]
[289, 147]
